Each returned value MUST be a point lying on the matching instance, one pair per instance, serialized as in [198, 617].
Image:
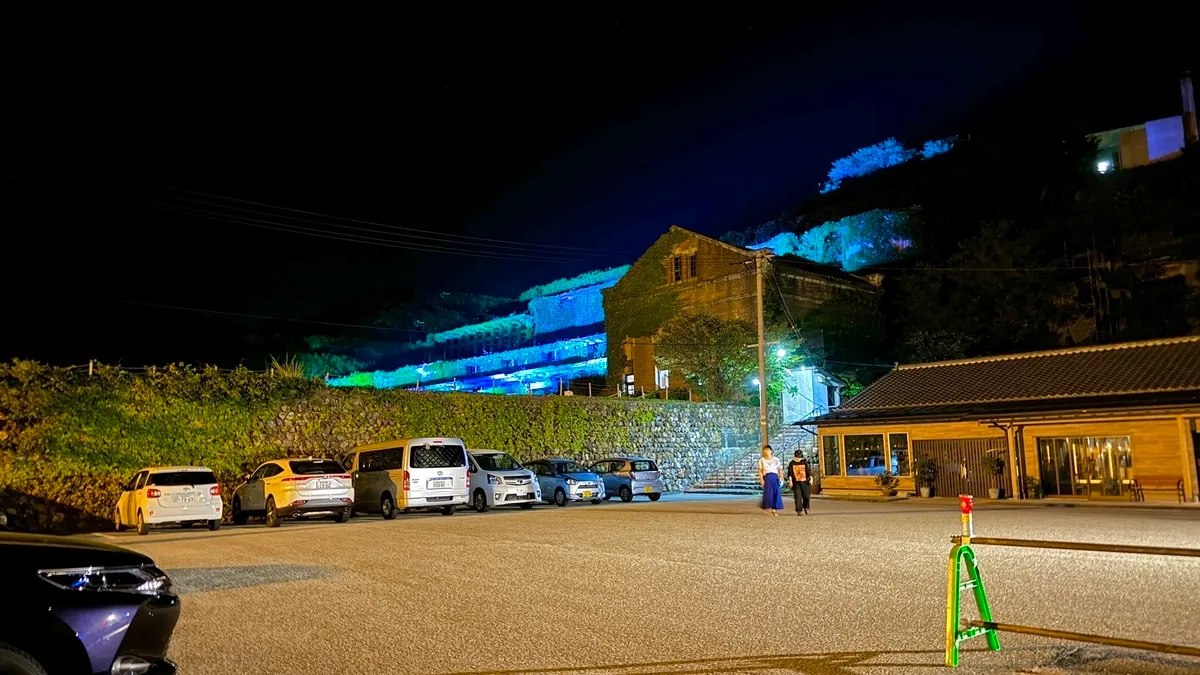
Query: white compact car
[499, 480]
[169, 494]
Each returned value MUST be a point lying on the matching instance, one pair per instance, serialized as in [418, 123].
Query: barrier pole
[962, 553]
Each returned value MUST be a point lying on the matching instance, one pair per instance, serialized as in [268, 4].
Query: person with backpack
[800, 480]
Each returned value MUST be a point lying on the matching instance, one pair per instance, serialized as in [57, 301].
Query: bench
[1143, 483]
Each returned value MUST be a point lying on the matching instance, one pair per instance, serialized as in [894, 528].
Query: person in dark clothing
[800, 479]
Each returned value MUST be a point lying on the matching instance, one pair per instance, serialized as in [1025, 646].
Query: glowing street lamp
[781, 352]
[755, 382]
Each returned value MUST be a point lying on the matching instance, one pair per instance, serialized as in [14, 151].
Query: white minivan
[499, 480]
[409, 473]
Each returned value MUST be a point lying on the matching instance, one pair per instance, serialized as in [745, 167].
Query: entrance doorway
[1092, 467]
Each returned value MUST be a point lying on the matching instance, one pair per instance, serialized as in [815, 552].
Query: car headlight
[571, 481]
[144, 580]
[494, 480]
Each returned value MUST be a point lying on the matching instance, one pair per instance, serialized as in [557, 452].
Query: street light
[755, 382]
[781, 352]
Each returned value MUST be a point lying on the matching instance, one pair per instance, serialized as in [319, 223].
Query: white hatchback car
[169, 494]
[499, 480]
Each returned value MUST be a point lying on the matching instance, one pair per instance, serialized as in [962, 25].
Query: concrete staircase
[741, 477]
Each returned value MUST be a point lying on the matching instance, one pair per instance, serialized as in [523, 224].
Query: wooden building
[708, 275]
[1105, 422]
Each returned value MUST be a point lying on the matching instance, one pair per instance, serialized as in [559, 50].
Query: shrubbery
[74, 439]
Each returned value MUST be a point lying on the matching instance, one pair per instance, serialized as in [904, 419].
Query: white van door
[438, 471]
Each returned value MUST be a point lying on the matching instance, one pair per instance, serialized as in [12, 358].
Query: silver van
[409, 474]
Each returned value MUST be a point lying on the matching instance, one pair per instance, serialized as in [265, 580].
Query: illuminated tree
[710, 353]
[867, 160]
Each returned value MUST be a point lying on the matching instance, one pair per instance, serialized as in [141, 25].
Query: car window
[381, 460]
[141, 481]
[602, 467]
[313, 467]
[132, 484]
[180, 478]
[261, 472]
[436, 456]
[644, 465]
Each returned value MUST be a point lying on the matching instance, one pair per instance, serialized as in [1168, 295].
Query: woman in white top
[769, 470]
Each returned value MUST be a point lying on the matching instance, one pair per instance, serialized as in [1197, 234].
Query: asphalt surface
[678, 586]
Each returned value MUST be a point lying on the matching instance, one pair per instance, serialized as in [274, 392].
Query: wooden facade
[1160, 445]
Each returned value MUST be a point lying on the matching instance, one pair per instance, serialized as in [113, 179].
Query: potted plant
[994, 464]
[1033, 487]
[927, 471]
[887, 483]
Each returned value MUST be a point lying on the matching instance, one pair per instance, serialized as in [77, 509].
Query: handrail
[1079, 546]
[962, 553]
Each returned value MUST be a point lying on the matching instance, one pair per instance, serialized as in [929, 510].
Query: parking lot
[680, 586]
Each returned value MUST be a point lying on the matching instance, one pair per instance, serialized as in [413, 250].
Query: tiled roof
[1084, 376]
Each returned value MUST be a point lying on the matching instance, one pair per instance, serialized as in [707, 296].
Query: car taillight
[153, 493]
[215, 490]
[406, 480]
[343, 476]
[295, 478]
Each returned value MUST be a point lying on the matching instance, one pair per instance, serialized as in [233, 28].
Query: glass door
[1055, 467]
[1093, 467]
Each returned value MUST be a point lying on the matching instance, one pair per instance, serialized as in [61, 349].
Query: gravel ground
[679, 586]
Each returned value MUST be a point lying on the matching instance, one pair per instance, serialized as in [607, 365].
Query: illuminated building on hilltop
[558, 338]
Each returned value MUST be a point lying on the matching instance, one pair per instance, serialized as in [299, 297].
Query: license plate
[649, 489]
[520, 491]
[322, 484]
[186, 499]
[586, 493]
[440, 483]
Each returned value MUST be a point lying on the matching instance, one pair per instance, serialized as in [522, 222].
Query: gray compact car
[564, 480]
[629, 477]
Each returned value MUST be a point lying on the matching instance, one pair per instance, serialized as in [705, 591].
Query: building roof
[1126, 375]
[795, 263]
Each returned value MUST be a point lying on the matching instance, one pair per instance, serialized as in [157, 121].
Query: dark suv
[75, 606]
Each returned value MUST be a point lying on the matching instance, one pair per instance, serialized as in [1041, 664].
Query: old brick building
[703, 274]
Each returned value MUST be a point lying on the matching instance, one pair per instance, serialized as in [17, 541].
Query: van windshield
[498, 461]
[436, 456]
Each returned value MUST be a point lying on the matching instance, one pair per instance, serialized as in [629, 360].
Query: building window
[864, 455]
[692, 266]
[832, 460]
[1091, 466]
[677, 269]
[898, 450]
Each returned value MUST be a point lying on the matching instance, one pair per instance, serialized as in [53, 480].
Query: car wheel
[480, 502]
[17, 662]
[344, 516]
[655, 496]
[560, 497]
[239, 516]
[448, 510]
[214, 525]
[272, 514]
[117, 524]
[626, 493]
[527, 506]
[142, 528]
[387, 507]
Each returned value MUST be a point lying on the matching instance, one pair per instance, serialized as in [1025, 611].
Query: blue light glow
[883, 154]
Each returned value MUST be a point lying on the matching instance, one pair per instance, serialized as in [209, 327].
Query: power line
[246, 315]
[156, 190]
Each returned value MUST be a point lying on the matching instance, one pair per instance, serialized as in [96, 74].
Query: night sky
[568, 143]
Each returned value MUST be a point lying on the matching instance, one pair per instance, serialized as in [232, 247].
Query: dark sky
[568, 143]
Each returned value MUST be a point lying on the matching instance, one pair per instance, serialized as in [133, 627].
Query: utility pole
[760, 261]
